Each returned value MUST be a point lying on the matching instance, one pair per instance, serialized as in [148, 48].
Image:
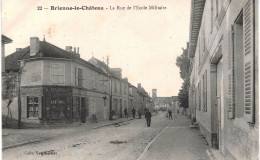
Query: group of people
[147, 114]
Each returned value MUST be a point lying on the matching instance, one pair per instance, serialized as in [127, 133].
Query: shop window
[32, 107]
[76, 105]
[57, 73]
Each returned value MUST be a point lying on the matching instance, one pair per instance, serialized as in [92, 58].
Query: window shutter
[24, 106]
[248, 36]
[231, 95]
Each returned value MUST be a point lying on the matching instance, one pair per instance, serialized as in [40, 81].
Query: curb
[22, 143]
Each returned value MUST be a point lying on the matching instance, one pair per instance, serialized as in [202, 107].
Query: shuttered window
[78, 77]
[248, 36]
[57, 73]
[230, 96]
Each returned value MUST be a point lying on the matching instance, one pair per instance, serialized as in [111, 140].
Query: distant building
[119, 86]
[154, 93]
[166, 103]
[223, 92]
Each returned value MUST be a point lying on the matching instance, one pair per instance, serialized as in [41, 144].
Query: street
[130, 140]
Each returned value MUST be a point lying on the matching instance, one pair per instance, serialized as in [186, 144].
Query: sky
[143, 43]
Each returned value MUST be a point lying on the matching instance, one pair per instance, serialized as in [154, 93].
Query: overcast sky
[144, 43]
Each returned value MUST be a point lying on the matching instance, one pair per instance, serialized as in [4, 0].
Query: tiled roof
[101, 65]
[46, 50]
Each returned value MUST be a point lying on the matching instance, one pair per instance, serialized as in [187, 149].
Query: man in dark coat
[133, 112]
[125, 111]
[148, 117]
[170, 114]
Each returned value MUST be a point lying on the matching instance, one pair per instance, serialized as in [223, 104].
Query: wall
[238, 138]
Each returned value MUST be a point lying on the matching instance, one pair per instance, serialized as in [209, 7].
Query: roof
[197, 8]
[6, 39]
[46, 50]
[101, 65]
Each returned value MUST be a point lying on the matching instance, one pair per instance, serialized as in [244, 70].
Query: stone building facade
[120, 89]
[223, 91]
[56, 85]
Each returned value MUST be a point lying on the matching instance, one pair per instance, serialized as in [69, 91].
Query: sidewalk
[17, 137]
[179, 141]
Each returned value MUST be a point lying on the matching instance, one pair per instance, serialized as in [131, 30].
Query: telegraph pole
[110, 94]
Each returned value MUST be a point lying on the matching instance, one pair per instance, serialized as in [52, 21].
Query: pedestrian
[170, 114]
[125, 111]
[133, 112]
[148, 117]
[139, 114]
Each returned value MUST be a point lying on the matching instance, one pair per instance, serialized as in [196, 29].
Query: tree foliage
[183, 62]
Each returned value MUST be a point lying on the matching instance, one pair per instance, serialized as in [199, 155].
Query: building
[166, 103]
[223, 90]
[119, 87]
[5, 40]
[56, 85]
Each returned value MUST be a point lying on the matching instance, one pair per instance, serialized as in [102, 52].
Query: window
[80, 77]
[57, 73]
[125, 89]
[131, 91]
[115, 87]
[32, 107]
[120, 85]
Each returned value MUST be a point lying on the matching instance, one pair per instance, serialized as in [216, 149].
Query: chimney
[68, 48]
[139, 85]
[75, 50]
[18, 49]
[34, 46]
[77, 54]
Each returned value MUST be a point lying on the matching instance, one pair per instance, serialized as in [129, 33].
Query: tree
[8, 92]
[183, 62]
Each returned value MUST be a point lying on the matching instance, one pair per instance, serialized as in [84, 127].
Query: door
[83, 110]
[121, 110]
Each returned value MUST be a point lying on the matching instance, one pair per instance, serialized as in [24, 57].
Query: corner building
[58, 86]
[224, 77]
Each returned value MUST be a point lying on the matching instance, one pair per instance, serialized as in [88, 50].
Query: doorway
[219, 104]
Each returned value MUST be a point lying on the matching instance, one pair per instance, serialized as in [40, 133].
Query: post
[19, 101]
[110, 95]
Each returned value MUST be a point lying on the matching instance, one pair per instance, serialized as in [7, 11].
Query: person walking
[125, 111]
[148, 117]
[133, 112]
[170, 114]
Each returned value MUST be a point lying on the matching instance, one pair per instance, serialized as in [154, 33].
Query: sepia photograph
[130, 79]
